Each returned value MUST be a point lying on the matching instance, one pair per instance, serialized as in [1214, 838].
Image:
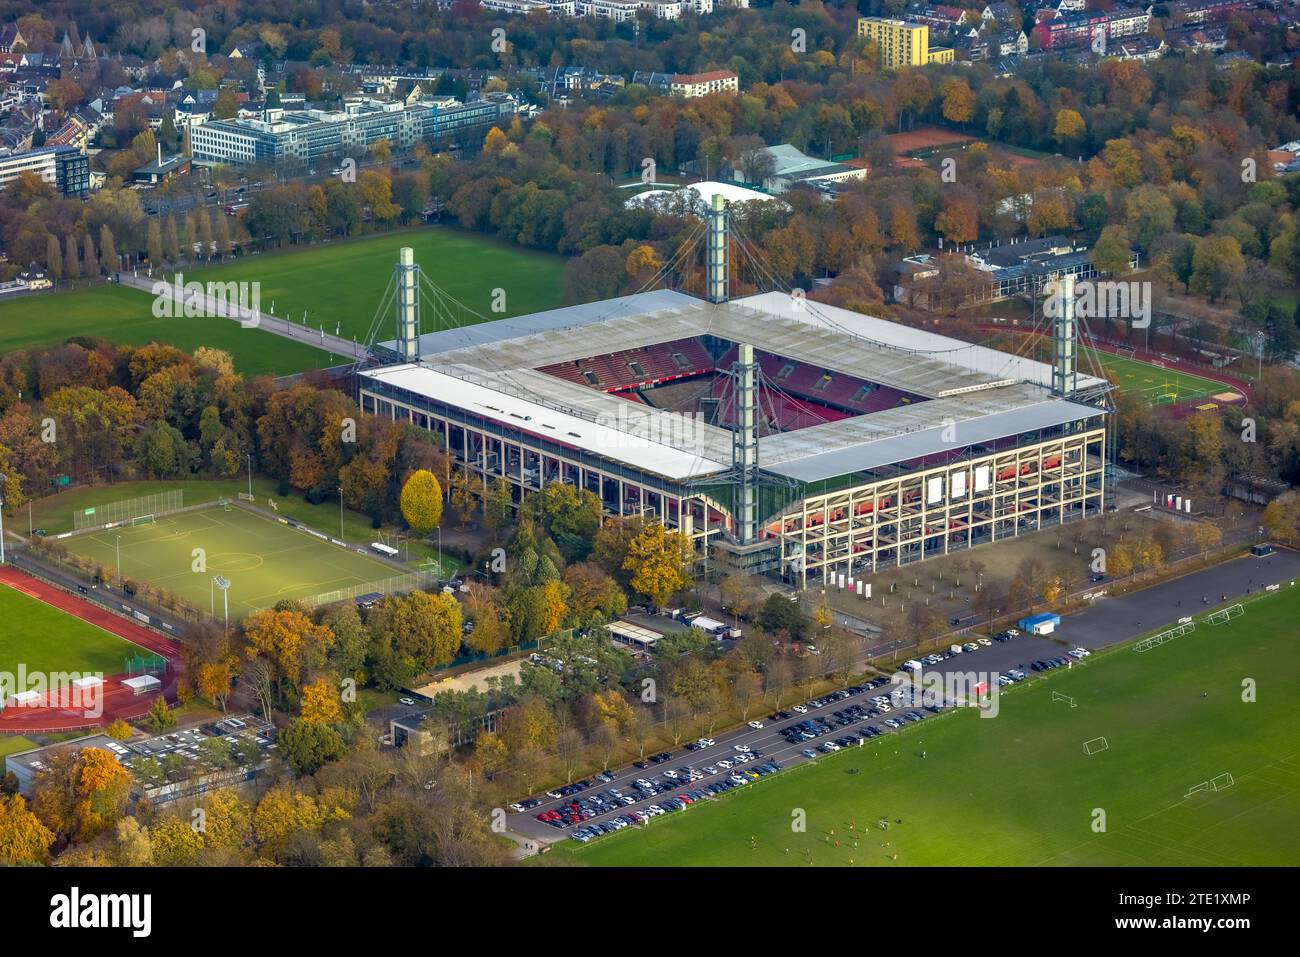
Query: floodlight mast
[1065, 378]
[408, 305]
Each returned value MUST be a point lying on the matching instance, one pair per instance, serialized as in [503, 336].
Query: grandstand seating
[632, 368]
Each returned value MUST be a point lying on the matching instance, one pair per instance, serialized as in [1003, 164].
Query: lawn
[53, 513]
[265, 560]
[340, 285]
[1154, 382]
[125, 316]
[1019, 789]
[43, 638]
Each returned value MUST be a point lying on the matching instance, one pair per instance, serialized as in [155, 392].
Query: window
[787, 370]
[636, 368]
[590, 377]
[862, 394]
[821, 384]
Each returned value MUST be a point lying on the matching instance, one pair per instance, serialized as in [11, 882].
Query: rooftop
[492, 369]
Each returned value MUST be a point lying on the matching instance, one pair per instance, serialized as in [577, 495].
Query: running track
[1215, 375]
[118, 701]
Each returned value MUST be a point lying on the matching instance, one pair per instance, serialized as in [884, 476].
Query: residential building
[617, 10]
[691, 85]
[902, 43]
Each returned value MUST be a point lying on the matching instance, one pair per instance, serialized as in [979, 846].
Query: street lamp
[341, 536]
[119, 565]
[3, 479]
[223, 583]
[250, 476]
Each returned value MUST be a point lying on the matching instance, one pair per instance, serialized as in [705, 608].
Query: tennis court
[264, 560]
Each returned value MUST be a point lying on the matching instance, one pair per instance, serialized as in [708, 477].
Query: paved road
[218, 309]
[1107, 621]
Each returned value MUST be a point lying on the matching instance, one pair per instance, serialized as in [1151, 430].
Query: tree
[71, 257]
[108, 250]
[80, 793]
[53, 258]
[307, 745]
[1070, 128]
[320, 703]
[498, 505]
[119, 730]
[153, 241]
[658, 560]
[89, 261]
[23, 838]
[1112, 253]
[1281, 517]
[958, 100]
[160, 717]
[421, 501]
[780, 615]
[1207, 536]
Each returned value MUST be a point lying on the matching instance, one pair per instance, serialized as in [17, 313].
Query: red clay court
[118, 701]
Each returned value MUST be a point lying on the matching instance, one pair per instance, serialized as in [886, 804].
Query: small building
[1041, 624]
[641, 640]
[160, 170]
[142, 684]
[34, 277]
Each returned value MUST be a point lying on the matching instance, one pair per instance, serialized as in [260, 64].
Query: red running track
[118, 701]
[1181, 408]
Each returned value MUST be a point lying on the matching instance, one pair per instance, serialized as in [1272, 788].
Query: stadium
[783, 436]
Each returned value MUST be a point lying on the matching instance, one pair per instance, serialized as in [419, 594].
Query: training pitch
[1157, 384]
[265, 560]
[1020, 789]
[45, 639]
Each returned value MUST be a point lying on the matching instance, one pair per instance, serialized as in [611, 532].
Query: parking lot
[670, 781]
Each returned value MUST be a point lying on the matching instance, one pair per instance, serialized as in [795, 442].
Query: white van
[956, 649]
[912, 665]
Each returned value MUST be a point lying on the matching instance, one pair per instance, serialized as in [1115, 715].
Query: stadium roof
[491, 369]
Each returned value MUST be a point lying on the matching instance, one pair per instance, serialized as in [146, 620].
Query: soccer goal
[1225, 614]
[1095, 746]
[142, 520]
[1146, 644]
[247, 497]
[1057, 696]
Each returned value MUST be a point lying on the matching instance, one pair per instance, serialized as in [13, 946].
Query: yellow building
[902, 43]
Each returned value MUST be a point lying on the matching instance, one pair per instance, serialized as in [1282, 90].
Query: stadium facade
[782, 436]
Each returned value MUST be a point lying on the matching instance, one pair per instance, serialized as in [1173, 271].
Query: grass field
[341, 285]
[265, 560]
[1153, 382]
[54, 512]
[43, 638]
[1019, 789]
[125, 316]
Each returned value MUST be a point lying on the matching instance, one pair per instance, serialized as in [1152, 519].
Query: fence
[397, 584]
[160, 503]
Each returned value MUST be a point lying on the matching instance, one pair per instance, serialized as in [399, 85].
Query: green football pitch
[1020, 788]
[43, 638]
[1158, 384]
[340, 285]
[265, 560]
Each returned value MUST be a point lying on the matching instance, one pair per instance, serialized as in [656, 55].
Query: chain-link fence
[397, 584]
[127, 510]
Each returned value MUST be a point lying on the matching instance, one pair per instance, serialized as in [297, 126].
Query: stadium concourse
[119, 700]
